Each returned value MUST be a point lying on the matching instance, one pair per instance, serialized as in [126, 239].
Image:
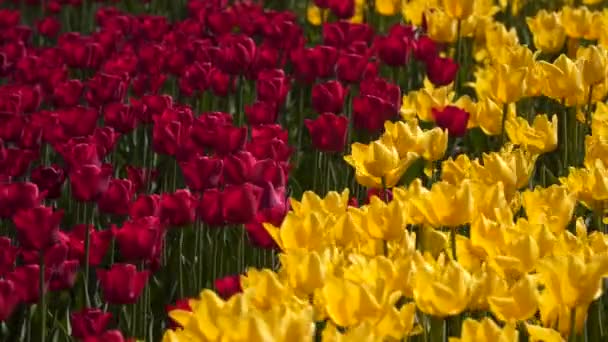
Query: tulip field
[304, 170]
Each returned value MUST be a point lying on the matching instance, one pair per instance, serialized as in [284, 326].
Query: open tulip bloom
[325, 170]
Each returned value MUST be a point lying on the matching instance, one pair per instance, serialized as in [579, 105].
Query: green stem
[572, 337]
[180, 263]
[453, 243]
[437, 329]
[503, 136]
[87, 254]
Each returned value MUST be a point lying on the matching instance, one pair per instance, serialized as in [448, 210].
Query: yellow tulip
[486, 283]
[409, 137]
[398, 323]
[577, 21]
[388, 7]
[519, 304]
[315, 15]
[563, 79]
[589, 185]
[421, 102]
[303, 270]
[441, 27]
[300, 232]
[593, 62]
[518, 257]
[433, 241]
[471, 257]
[334, 203]
[552, 207]
[443, 290]
[414, 10]
[486, 330]
[506, 84]
[489, 235]
[539, 138]
[385, 221]
[346, 302]
[363, 332]
[459, 9]
[378, 164]
[454, 171]
[539, 334]
[548, 32]
[446, 204]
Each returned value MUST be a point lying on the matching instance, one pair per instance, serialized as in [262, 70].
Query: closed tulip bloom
[49, 179]
[140, 239]
[117, 197]
[441, 27]
[178, 208]
[202, 172]
[486, 330]
[577, 21]
[228, 286]
[441, 70]
[89, 322]
[520, 304]
[539, 138]
[388, 7]
[453, 119]
[328, 132]
[37, 228]
[328, 97]
[122, 283]
[563, 79]
[88, 182]
[459, 9]
[240, 203]
[8, 298]
[548, 31]
[539, 334]
[593, 62]
[99, 242]
[17, 196]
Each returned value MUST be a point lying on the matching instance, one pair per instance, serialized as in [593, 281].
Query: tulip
[537, 333]
[27, 281]
[89, 322]
[8, 253]
[99, 242]
[229, 139]
[122, 283]
[350, 67]
[453, 119]
[425, 49]
[342, 9]
[240, 203]
[328, 132]
[121, 117]
[486, 329]
[228, 286]
[117, 197]
[458, 9]
[272, 86]
[328, 97]
[49, 179]
[552, 207]
[145, 205]
[209, 208]
[548, 31]
[441, 70]
[88, 182]
[202, 172]
[8, 298]
[519, 304]
[178, 208]
[104, 88]
[48, 27]
[37, 228]
[18, 196]
[260, 113]
[394, 50]
[140, 239]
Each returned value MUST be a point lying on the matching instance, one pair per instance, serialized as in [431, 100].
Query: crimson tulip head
[88, 182]
[27, 280]
[140, 177]
[441, 71]
[99, 242]
[140, 239]
[342, 9]
[105, 88]
[328, 132]
[350, 67]
[260, 113]
[209, 208]
[240, 203]
[49, 179]
[121, 117]
[273, 86]
[238, 167]
[8, 253]
[202, 172]
[453, 119]
[89, 322]
[425, 49]
[37, 228]
[18, 196]
[116, 198]
[228, 286]
[236, 52]
[145, 205]
[328, 97]
[122, 283]
[8, 299]
[48, 27]
[394, 49]
[178, 208]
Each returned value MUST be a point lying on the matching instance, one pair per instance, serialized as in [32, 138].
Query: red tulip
[48, 27]
[236, 52]
[8, 298]
[194, 78]
[108, 336]
[425, 49]
[99, 241]
[117, 197]
[273, 86]
[122, 283]
[105, 88]
[121, 117]
[219, 82]
[260, 113]
[312, 63]
[9, 18]
[328, 132]
[60, 272]
[78, 121]
[209, 207]
[78, 152]
[221, 22]
[269, 171]
[343, 34]
[27, 280]
[342, 9]
[178, 208]
[441, 70]
[393, 50]
[228, 286]
[238, 167]
[229, 139]
[328, 97]
[49, 179]
[89, 322]
[88, 182]
[204, 128]
[240, 203]
[140, 239]
[350, 67]
[154, 106]
[453, 119]
[37, 228]
[16, 161]
[105, 138]
[8, 253]
[18, 196]
[269, 132]
[145, 205]
[370, 113]
[202, 172]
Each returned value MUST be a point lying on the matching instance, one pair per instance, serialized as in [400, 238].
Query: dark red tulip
[425, 49]
[229, 139]
[441, 70]
[140, 239]
[105, 138]
[204, 128]
[171, 129]
[221, 22]
[27, 280]
[78, 152]
[178, 208]
[370, 113]
[312, 63]
[342, 9]
[121, 117]
[194, 78]
[350, 67]
[271, 171]
[48, 27]
[202, 172]
[393, 50]
[88, 182]
[269, 132]
[60, 272]
[228, 286]
[379, 87]
[240, 203]
[37, 228]
[99, 242]
[49, 179]
[275, 149]
[9, 18]
[328, 132]
[16, 161]
[236, 52]
[322, 3]
[153, 27]
[18, 196]
[122, 283]
[343, 34]
[154, 105]
[328, 97]
[209, 207]
[108, 336]
[78, 121]
[148, 83]
[453, 119]
[8, 252]
[9, 298]
[273, 86]
[89, 322]
[105, 88]
[260, 113]
[266, 57]
[219, 82]
[238, 167]
[180, 304]
[117, 197]
[145, 205]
